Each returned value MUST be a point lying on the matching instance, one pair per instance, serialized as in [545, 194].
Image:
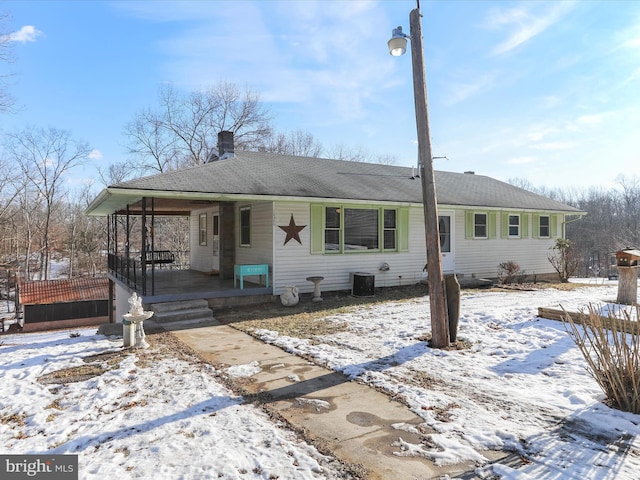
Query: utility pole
[435, 278]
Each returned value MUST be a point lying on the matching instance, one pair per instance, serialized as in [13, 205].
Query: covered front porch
[178, 285]
[176, 250]
[185, 285]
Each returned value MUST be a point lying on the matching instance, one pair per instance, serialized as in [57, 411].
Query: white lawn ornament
[289, 296]
[135, 317]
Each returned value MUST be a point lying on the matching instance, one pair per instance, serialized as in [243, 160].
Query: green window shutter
[468, 224]
[504, 230]
[403, 229]
[536, 225]
[317, 229]
[524, 225]
[491, 224]
[553, 220]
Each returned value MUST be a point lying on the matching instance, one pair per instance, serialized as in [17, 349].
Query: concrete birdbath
[316, 288]
[135, 317]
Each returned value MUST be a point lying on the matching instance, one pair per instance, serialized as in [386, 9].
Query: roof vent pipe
[225, 145]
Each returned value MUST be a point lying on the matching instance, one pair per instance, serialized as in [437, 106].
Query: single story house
[287, 218]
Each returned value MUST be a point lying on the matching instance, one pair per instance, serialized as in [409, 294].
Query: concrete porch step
[182, 311]
[179, 305]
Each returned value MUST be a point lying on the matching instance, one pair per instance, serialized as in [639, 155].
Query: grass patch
[73, 374]
[14, 419]
[310, 319]
[303, 325]
[54, 405]
[565, 287]
[164, 345]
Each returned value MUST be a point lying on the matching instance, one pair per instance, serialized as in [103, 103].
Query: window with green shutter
[544, 226]
[480, 225]
[514, 226]
[337, 228]
[390, 234]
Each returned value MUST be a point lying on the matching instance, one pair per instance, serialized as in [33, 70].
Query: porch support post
[152, 233]
[227, 239]
[115, 232]
[127, 247]
[144, 246]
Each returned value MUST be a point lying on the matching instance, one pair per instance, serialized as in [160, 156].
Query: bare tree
[44, 157]
[630, 203]
[359, 154]
[6, 56]
[84, 237]
[298, 143]
[184, 129]
[29, 213]
[352, 154]
[117, 173]
[9, 186]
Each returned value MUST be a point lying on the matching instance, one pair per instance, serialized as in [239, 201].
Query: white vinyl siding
[481, 259]
[261, 249]
[200, 255]
[294, 262]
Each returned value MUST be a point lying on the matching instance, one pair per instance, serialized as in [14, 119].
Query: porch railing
[129, 269]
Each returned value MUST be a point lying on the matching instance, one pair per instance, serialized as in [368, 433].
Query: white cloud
[95, 155]
[539, 132]
[591, 119]
[550, 101]
[524, 24]
[329, 56]
[554, 146]
[461, 91]
[522, 160]
[28, 33]
[632, 77]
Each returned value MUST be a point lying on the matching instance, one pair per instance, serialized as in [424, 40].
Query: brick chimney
[225, 145]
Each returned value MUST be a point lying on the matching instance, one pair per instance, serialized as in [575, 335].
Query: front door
[445, 226]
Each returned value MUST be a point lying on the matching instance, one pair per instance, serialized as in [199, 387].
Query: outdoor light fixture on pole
[435, 277]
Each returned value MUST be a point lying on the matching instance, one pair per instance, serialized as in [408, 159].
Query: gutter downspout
[567, 222]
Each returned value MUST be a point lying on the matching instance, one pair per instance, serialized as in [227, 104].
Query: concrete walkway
[353, 420]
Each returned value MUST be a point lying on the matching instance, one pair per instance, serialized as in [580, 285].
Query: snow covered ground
[167, 419]
[522, 385]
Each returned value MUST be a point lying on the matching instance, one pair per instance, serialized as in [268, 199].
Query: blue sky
[547, 91]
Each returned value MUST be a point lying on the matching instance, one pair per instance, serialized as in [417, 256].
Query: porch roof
[269, 176]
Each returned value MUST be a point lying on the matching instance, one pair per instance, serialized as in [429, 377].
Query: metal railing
[130, 269]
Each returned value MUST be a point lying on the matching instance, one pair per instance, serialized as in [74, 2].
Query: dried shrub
[564, 258]
[612, 354]
[510, 272]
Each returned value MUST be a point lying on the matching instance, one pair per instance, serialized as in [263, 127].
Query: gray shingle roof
[259, 173]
